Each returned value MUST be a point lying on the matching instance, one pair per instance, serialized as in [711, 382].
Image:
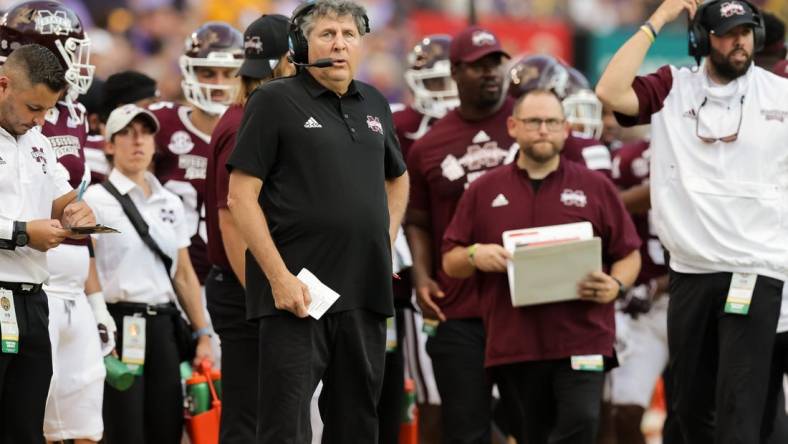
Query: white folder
[545, 273]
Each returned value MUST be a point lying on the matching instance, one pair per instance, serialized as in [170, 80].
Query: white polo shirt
[719, 207]
[128, 269]
[29, 182]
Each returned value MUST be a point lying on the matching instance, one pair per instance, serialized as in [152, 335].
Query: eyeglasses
[534, 124]
[726, 139]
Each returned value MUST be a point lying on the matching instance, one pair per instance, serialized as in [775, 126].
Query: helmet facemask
[428, 99]
[201, 94]
[583, 111]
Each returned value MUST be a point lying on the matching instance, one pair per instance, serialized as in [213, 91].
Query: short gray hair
[334, 8]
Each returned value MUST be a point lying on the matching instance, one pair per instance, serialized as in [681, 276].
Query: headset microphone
[319, 63]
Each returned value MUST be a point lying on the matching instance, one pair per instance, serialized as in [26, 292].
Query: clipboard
[93, 229]
[548, 273]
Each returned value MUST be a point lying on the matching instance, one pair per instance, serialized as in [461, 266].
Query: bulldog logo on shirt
[38, 155]
[180, 142]
[574, 198]
[374, 124]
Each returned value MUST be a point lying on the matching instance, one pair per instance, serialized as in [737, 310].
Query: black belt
[168, 309]
[21, 287]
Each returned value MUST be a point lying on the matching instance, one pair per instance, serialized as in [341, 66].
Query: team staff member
[136, 284]
[38, 203]
[265, 57]
[331, 183]
[534, 349]
[718, 193]
[459, 148]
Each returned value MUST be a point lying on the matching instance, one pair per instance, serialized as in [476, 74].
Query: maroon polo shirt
[570, 194]
[217, 181]
[442, 164]
[631, 168]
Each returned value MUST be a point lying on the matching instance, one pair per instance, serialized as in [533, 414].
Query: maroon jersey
[181, 160]
[217, 181]
[68, 136]
[410, 125]
[504, 199]
[442, 164]
[95, 158]
[631, 168]
[589, 152]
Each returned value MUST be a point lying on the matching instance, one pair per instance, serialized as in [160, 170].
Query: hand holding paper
[322, 296]
[291, 294]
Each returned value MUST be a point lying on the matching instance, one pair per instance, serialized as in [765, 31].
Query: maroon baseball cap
[473, 43]
[781, 68]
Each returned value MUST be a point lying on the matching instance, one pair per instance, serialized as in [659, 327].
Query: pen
[82, 187]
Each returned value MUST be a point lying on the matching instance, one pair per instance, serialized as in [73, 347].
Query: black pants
[25, 376]
[719, 363]
[774, 413]
[151, 410]
[457, 353]
[560, 405]
[392, 394]
[347, 351]
[240, 355]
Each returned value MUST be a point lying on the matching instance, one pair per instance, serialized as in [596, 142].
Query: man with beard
[718, 190]
[534, 350]
[458, 149]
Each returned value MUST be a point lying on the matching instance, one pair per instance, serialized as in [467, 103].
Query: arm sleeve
[419, 191]
[651, 91]
[459, 233]
[394, 165]
[257, 143]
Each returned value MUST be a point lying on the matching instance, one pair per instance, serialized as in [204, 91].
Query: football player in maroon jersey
[213, 54]
[73, 409]
[582, 108]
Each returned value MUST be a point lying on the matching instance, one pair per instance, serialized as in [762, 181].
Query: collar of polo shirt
[125, 185]
[315, 89]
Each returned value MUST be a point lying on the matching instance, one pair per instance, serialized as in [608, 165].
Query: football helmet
[216, 45]
[429, 76]
[57, 27]
[582, 108]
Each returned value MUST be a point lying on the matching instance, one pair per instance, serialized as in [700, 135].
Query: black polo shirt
[323, 161]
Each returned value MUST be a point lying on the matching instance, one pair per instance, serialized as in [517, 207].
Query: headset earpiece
[299, 47]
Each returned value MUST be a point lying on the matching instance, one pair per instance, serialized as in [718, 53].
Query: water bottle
[199, 394]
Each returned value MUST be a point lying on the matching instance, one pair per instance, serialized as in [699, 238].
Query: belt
[168, 309]
[21, 287]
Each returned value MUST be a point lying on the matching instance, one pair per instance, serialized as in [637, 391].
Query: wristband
[205, 331]
[472, 253]
[651, 28]
[648, 33]
[621, 288]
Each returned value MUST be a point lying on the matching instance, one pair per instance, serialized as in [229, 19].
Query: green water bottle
[216, 377]
[119, 376]
[199, 394]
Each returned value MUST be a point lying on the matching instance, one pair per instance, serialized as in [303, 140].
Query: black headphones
[299, 48]
[699, 43]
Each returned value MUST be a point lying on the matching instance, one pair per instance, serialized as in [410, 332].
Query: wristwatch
[622, 289]
[20, 237]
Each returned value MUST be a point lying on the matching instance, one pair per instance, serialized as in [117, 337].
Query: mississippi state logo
[574, 198]
[374, 124]
[729, 9]
[38, 155]
[167, 215]
[53, 23]
[480, 38]
[180, 142]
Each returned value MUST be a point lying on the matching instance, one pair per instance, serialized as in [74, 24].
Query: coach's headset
[699, 42]
[299, 48]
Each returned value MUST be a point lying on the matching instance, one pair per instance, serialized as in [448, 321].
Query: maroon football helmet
[429, 76]
[582, 108]
[55, 26]
[214, 44]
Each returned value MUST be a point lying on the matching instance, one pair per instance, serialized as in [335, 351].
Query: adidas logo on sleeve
[312, 123]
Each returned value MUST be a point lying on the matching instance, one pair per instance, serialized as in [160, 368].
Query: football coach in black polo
[318, 182]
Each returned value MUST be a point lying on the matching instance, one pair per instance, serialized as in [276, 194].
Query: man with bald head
[39, 207]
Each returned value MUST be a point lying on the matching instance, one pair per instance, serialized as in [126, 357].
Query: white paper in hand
[322, 296]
